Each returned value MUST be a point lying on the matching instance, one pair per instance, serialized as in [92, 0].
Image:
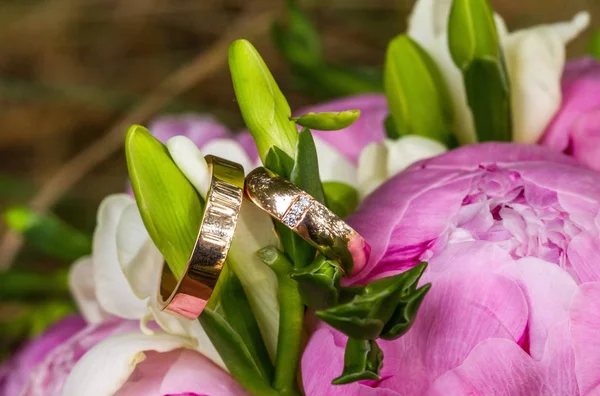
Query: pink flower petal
[585, 327]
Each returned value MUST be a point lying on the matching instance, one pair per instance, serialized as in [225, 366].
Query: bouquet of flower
[440, 239]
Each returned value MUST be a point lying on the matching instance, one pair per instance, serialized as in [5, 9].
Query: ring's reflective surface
[310, 219]
[188, 296]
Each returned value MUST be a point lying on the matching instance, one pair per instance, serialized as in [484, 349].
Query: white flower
[535, 59]
[122, 278]
[381, 161]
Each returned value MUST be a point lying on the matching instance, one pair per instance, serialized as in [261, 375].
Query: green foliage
[416, 91]
[328, 121]
[594, 45]
[169, 205]
[305, 173]
[231, 327]
[299, 43]
[475, 49]
[19, 285]
[362, 361]
[472, 32]
[341, 198]
[372, 308]
[290, 325]
[48, 234]
[264, 108]
[319, 283]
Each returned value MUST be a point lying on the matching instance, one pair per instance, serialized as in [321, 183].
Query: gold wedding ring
[188, 296]
[310, 219]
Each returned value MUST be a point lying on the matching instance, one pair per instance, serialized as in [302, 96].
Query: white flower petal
[228, 149]
[140, 260]
[191, 162]
[190, 329]
[407, 150]
[112, 288]
[372, 168]
[535, 59]
[254, 231]
[108, 365]
[81, 282]
[428, 25]
[333, 166]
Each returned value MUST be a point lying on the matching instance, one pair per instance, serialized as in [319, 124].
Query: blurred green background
[71, 69]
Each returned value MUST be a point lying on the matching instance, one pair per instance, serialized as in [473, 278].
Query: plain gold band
[188, 296]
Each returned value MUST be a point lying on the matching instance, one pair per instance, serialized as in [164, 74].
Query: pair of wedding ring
[278, 197]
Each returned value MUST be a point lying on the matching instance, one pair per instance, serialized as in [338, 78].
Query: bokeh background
[74, 73]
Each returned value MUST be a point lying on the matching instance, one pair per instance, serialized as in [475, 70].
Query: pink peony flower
[43, 366]
[576, 127]
[16, 371]
[511, 234]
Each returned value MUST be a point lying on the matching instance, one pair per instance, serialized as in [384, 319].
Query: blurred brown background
[69, 69]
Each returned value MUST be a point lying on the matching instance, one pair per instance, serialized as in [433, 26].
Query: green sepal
[169, 205]
[279, 162]
[48, 234]
[231, 327]
[369, 310]
[265, 110]
[328, 121]
[417, 94]
[363, 360]
[475, 48]
[305, 174]
[404, 316]
[341, 198]
[488, 95]
[390, 128]
[19, 285]
[290, 322]
[319, 283]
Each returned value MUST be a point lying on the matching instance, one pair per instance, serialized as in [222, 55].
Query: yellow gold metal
[188, 296]
[310, 219]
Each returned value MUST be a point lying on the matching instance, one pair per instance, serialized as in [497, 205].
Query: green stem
[290, 323]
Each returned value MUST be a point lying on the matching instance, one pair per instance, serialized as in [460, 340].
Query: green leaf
[264, 108]
[279, 162]
[48, 234]
[417, 94]
[370, 309]
[341, 198]
[170, 207]
[475, 49]
[290, 324]
[328, 81]
[363, 359]
[328, 121]
[594, 45]
[305, 174]
[299, 40]
[488, 96]
[472, 32]
[404, 316]
[319, 283]
[18, 285]
[228, 322]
